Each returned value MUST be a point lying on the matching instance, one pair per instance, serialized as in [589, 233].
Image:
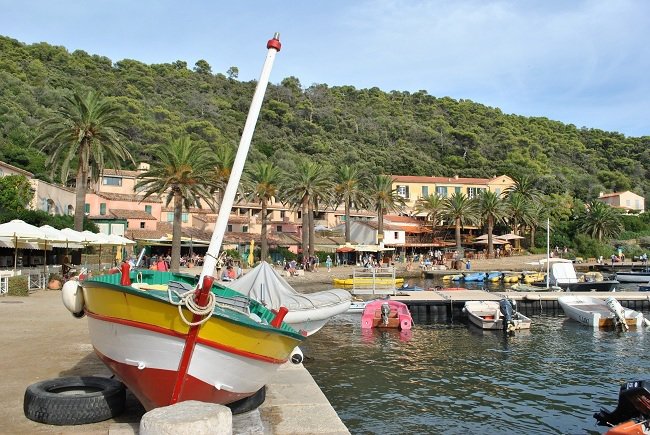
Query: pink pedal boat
[383, 313]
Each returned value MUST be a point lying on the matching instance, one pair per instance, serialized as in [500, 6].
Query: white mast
[548, 253]
[210, 260]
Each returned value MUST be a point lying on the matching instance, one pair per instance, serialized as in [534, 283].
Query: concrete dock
[41, 340]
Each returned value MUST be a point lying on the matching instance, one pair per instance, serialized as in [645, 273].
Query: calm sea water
[456, 379]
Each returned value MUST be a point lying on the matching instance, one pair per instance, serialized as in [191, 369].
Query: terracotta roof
[387, 226]
[440, 180]
[132, 214]
[610, 195]
[137, 234]
[127, 197]
[403, 219]
[16, 169]
[120, 172]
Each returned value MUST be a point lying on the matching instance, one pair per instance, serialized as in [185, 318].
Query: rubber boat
[307, 311]
[475, 277]
[453, 277]
[632, 413]
[172, 337]
[600, 313]
[385, 313]
[364, 282]
[495, 315]
[521, 287]
[494, 276]
[511, 277]
[529, 277]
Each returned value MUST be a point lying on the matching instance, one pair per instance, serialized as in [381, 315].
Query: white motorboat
[307, 311]
[641, 276]
[495, 315]
[600, 313]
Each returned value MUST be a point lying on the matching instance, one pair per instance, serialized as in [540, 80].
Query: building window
[425, 191]
[185, 217]
[278, 228]
[141, 225]
[457, 189]
[70, 210]
[102, 208]
[51, 208]
[112, 181]
[244, 228]
[473, 192]
[170, 216]
[229, 229]
[395, 235]
[282, 214]
[147, 209]
[497, 191]
[299, 215]
[87, 208]
[441, 191]
[628, 202]
[403, 191]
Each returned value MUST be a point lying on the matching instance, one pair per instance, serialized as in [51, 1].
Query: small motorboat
[634, 276]
[600, 313]
[632, 413]
[496, 315]
[385, 313]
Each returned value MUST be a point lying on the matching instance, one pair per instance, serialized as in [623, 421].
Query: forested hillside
[389, 132]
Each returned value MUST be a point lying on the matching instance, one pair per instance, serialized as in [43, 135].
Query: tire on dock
[74, 400]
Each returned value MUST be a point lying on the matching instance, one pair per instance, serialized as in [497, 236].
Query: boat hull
[594, 312]
[487, 315]
[399, 316]
[143, 340]
[640, 277]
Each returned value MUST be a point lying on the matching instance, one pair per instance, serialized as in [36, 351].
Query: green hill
[390, 132]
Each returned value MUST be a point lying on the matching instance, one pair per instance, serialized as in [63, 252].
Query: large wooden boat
[599, 313]
[492, 315]
[172, 337]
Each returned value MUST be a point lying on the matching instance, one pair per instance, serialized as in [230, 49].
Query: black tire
[249, 403]
[74, 400]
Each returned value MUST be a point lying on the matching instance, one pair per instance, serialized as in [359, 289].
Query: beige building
[628, 201]
[414, 187]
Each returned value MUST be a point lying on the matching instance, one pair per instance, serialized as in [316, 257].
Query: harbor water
[454, 378]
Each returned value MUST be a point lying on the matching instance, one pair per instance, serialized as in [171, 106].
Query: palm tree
[524, 186]
[86, 133]
[462, 210]
[432, 206]
[223, 159]
[181, 171]
[519, 212]
[600, 220]
[263, 182]
[492, 210]
[348, 190]
[307, 186]
[384, 199]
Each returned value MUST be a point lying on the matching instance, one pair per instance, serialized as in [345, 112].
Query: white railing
[373, 281]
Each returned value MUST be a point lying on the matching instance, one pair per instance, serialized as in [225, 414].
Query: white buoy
[73, 298]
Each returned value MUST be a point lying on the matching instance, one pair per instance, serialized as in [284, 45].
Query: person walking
[328, 263]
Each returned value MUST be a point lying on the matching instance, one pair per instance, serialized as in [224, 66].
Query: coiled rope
[187, 299]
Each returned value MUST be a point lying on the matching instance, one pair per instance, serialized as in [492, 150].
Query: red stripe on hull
[170, 332]
[154, 387]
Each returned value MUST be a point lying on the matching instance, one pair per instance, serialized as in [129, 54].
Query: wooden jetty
[440, 305]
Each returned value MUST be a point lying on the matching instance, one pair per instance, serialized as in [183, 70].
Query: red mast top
[275, 42]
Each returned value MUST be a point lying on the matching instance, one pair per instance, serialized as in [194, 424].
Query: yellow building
[413, 187]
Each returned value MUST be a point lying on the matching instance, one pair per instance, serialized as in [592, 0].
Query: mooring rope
[187, 299]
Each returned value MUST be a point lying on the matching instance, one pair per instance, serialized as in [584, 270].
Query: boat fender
[277, 321]
[297, 356]
[73, 298]
[126, 270]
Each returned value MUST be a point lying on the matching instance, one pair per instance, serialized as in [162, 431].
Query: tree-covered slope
[389, 132]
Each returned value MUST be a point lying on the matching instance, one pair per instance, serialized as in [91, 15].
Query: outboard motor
[619, 312]
[633, 404]
[385, 313]
[508, 313]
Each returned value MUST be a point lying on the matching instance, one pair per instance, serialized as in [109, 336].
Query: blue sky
[581, 62]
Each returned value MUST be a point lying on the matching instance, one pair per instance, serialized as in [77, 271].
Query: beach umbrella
[510, 236]
[55, 238]
[251, 257]
[20, 230]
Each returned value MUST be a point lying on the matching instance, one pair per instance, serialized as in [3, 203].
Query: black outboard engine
[385, 313]
[508, 313]
[633, 403]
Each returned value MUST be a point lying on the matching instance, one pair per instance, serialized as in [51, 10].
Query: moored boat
[172, 337]
[495, 315]
[475, 277]
[385, 313]
[511, 277]
[600, 313]
[641, 276]
[563, 274]
[632, 413]
[521, 287]
[494, 276]
[529, 277]
[367, 282]
[307, 311]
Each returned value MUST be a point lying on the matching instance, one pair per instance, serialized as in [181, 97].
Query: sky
[581, 62]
